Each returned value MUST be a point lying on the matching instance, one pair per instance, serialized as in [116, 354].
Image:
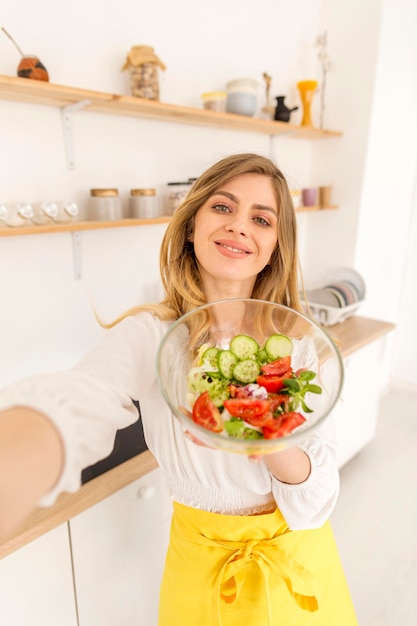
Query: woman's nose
[238, 224]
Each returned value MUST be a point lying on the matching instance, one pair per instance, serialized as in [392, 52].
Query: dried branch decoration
[12, 40]
[326, 66]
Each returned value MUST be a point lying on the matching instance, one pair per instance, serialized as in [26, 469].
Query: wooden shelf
[50, 94]
[12, 231]
[351, 335]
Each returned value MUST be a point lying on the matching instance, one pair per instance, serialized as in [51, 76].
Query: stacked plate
[339, 298]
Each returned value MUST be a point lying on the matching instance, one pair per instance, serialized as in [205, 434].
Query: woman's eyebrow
[231, 196]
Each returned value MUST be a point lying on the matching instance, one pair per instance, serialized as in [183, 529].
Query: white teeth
[232, 249]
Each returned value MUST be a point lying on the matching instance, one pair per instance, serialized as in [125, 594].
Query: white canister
[143, 203]
[104, 205]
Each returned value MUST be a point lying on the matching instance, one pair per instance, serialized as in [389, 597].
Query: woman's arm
[291, 466]
[68, 420]
[31, 460]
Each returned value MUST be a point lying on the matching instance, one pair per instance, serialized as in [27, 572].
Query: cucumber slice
[226, 362]
[244, 346]
[278, 346]
[246, 371]
[209, 357]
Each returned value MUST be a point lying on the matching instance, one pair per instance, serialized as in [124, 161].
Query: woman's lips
[232, 249]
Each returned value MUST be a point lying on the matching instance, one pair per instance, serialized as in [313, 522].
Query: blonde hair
[277, 282]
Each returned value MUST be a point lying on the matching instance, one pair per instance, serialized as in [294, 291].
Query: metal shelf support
[67, 112]
[76, 253]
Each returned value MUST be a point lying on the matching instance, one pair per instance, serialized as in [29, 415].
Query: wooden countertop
[356, 332]
[350, 336]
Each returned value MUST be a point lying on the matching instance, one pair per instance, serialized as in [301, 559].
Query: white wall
[387, 236]
[46, 319]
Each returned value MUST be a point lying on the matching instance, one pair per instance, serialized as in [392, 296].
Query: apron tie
[231, 577]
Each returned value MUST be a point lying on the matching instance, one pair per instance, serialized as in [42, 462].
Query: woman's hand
[291, 466]
[31, 459]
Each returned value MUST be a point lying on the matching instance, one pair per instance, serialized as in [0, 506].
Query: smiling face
[235, 232]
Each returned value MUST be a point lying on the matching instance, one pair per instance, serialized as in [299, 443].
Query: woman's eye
[262, 221]
[221, 208]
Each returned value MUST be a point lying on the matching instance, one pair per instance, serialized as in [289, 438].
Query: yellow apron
[230, 570]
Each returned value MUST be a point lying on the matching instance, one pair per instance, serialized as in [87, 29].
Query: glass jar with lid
[68, 211]
[17, 214]
[143, 203]
[105, 205]
[144, 67]
[3, 215]
[44, 212]
[177, 192]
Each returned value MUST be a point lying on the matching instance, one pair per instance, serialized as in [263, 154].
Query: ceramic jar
[143, 203]
[104, 205]
[242, 96]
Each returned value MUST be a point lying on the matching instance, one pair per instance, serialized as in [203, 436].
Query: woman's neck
[227, 291]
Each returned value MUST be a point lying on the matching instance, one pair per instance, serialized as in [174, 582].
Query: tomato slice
[246, 408]
[273, 383]
[277, 367]
[259, 420]
[283, 425]
[205, 413]
[278, 401]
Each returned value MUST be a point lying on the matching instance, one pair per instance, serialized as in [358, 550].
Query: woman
[250, 542]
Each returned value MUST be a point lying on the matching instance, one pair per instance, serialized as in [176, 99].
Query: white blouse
[94, 399]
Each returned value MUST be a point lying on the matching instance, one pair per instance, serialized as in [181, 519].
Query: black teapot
[282, 112]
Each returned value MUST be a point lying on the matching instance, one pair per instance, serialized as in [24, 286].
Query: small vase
[307, 89]
[282, 112]
[31, 67]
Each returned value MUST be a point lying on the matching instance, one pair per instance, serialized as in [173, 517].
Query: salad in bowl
[249, 376]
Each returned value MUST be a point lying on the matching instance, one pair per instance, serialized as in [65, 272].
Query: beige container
[104, 205]
[143, 203]
[325, 196]
[214, 101]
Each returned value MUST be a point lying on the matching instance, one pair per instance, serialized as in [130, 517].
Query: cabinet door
[356, 412]
[36, 584]
[119, 548]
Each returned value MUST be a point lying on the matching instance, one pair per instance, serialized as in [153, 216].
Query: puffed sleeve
[309, 504]
[90, 402]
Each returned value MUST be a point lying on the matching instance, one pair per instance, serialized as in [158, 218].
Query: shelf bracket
[76, 253]
[67, 125]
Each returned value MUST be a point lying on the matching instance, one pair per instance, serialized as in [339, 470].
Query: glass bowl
[182, 357]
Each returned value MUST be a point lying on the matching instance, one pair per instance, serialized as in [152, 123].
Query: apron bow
[231, 577]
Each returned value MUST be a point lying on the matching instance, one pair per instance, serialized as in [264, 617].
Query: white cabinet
[36, 584]
[356, 412]
[119, 548]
